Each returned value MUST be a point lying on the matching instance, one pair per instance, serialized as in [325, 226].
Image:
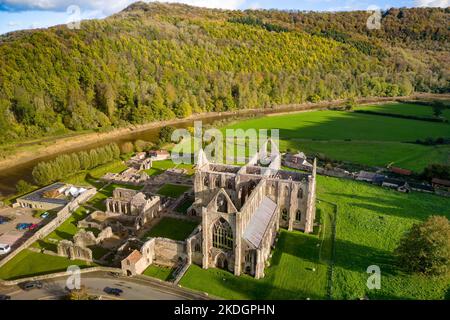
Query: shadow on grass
[350, 256]
[390, 206]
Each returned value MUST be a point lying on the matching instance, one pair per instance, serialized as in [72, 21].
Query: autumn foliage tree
[425, 248]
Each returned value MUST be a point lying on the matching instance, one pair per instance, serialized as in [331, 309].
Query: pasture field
[407, 109]
[370, 221]
[360, 138]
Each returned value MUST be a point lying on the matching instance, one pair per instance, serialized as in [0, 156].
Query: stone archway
[222, 261]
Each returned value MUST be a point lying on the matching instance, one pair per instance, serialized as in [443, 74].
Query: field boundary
[330, 272]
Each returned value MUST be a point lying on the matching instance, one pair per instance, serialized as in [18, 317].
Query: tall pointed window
[298, 215]
[222, 235]
[300, 193]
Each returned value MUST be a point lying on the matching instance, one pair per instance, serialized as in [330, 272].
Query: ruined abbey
[242, 209]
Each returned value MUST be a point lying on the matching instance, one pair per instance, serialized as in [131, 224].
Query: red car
[33, 227]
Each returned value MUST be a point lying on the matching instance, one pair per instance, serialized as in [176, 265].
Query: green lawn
[182, 208]
[28, 263]
[159, 272]
[159, 167]
[370, 222]
[173, 190]
[408, 109]
[175, 229]
[356, 137]
[291, 273]
[91, 177]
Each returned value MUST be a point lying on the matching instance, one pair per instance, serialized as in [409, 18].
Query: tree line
[66, 165]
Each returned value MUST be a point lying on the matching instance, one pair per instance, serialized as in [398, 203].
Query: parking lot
[11, 218]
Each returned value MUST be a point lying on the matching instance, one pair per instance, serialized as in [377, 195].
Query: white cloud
[432, 3]
[105, 6]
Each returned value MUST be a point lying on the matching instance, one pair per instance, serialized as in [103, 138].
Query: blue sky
[26, 14]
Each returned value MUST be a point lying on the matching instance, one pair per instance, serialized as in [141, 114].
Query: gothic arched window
[218, 182]
[222, 203]
[206, 181]
[284, 214]
[222, 235]
[230, 184]
[298, 215]
[300, 193]
[286, 191]
[197, 247]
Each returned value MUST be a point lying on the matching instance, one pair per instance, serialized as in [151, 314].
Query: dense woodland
[160, 61]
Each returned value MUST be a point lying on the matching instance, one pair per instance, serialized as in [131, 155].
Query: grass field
[28, 263]
[159, 167]
[90, 178]
[175, 229]
[162, 273]
[370, 222]
[408, 109]
[173, 190]
[355, 137]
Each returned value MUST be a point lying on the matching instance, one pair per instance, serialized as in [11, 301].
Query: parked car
[4, 297]
[27, 286]
[4, 248]
[23, 226]
[45, 215]
[33, 227]
[4, 220]
[113, 291]
[114, 274]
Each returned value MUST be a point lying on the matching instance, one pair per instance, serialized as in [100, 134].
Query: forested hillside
[160, 61]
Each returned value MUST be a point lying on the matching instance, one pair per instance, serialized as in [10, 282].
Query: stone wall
[169, 252]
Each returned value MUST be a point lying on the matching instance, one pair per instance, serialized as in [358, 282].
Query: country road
[133, 289]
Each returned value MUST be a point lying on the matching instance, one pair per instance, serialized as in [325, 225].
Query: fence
[61, 216]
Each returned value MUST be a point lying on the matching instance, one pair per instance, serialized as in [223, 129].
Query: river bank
[74, 141]
[20, 164]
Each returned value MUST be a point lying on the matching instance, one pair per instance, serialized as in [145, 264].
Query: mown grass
[28, 263]
[175, 229]
[159, 272]
[159, 167]
[173, 190]
[370, 222]
[408, 109]
[91, 177]
[355, 137]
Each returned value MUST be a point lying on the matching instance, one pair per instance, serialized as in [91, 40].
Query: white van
[4, 248]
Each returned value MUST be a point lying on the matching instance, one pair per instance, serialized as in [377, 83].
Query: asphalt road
[133, 289]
